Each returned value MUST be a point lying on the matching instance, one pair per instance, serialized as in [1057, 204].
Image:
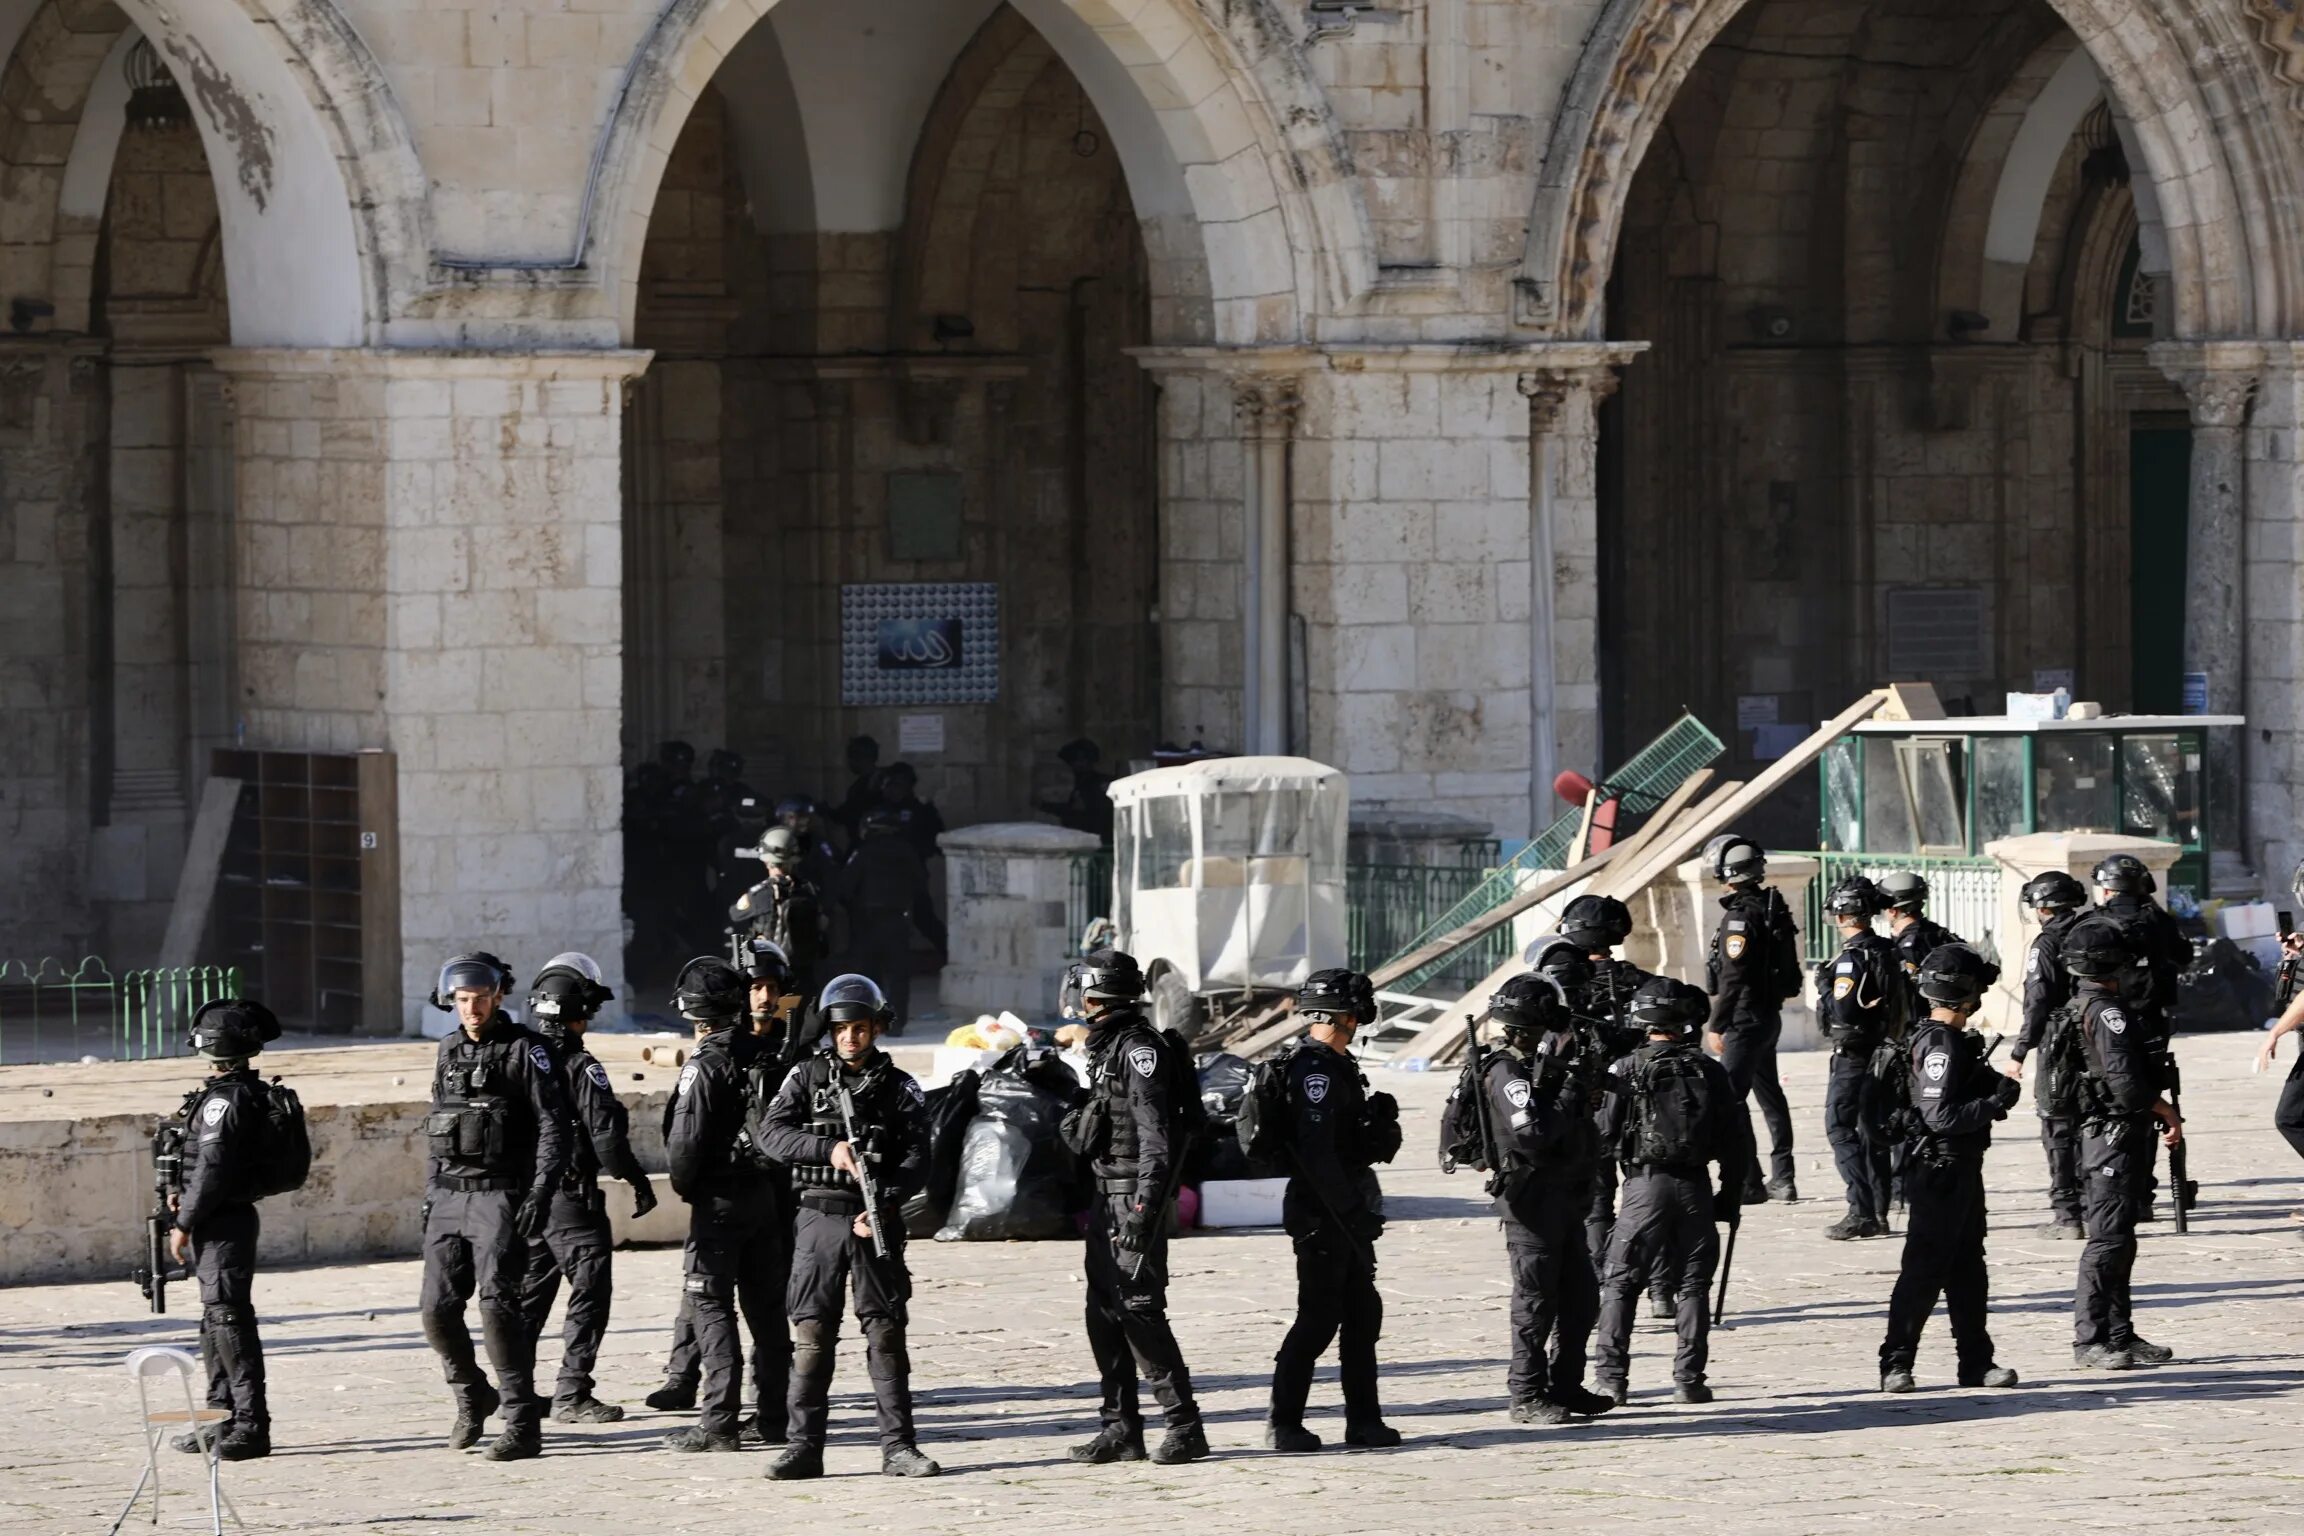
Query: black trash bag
[950, 1109]
[1223, 1084]
[1016, 1175]
[2224, 989]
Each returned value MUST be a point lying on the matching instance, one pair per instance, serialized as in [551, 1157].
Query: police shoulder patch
[1936, 1065]
[687, 1078]
[2031, 963]
[1735, 946]
[913, 1089]
[1516, 1093]
[598, 1074]
[1316, 1086]
[2114, 1020]
[1145, 1060]
[538, 1055]
[1842, 986]
[212, 1111]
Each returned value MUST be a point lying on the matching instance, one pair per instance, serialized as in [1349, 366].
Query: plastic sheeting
[951, 1109]
[1015, 1176]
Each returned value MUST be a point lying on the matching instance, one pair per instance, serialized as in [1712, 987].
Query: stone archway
[2227, 197]
[1223, 123]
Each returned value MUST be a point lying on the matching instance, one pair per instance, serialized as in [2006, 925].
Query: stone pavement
[1799, 1440]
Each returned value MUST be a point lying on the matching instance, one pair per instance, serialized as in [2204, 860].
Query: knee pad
[709, 1287]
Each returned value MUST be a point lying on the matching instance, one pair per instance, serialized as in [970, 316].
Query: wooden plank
[1628, 854]
[1685, 839]
[196, 886]
[1583, 828]
[1445, 1036]
[1274, 1024]
[1503, 912]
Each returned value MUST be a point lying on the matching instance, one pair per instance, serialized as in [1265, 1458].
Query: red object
[1571, 786]
[1603, 827]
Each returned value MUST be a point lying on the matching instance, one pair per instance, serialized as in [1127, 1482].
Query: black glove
[1728, 1206]
[2005, 1093]
[643, 1197]
[1383, 1109]
[1133, 1231]
[534, 1212]
[1365, 1225]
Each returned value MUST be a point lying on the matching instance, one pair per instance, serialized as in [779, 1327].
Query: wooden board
[1659, 821]
[1694, 830]
[196, 886]
[1584, 827]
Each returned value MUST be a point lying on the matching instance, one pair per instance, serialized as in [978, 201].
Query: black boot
[472, 1416]
[1374, 1434]
[797, 1462]
[1112, 1443]
[516, 1444]
[245, 1443]
[1293, 1438]
[904, 1460]
[586, 1410]
[1188, 1442]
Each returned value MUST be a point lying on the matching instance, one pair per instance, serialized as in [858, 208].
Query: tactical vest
[1122, 1151]
[1855, 1027]
[819, 1077]
[471, 1126]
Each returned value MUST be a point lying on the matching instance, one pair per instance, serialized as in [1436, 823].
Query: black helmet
[795, 808]
[569, 987]
[1902, 891]
[2055, 891]
[1101, 975]
[676, 755]
[1562, 959]
[724, 764]
[749, 813]
[1669, 1006]
[1338, 990]
[763, 959]
[1597, 922]
[1855, 896]
[1080, 752]
[1956, 975]
[2097, 948]
[900, 773]
[231, 1029]
[710, 992]
[880, 820]
[477, 970]
[2125, 874]
[1735, 860]
[780, 849]
[1531, 1003]
[2296, 883]
[853, 997]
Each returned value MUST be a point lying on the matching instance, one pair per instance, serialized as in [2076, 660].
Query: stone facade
[1455, 392]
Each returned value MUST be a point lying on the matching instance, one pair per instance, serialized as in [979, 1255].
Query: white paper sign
[916, 734]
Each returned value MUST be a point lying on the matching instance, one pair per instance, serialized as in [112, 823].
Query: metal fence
[49, 1013]
[1385, 907]
[1963, 895]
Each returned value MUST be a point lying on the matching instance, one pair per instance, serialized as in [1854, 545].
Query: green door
[2159, 499]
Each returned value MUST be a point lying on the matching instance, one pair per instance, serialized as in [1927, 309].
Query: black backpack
[1461, 1145]
[1783, 946]
[1263, 1119]
[282, 1157]
[1188, 1112]
[1891, 1069]
[1667, 1128]
[2063, 1063]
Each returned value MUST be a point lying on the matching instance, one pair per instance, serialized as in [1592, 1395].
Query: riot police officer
[498, 1133]
[784, 908]
[2119, 1097]
[1596, 925]
[883, 887]
[2124, 888]
[1956, 1098]
[2058, 901]
[577, 1238]
[1861, 996]
[712, 1150]
[1126, 1131]
[1754, 967]
[776, 1042]
[846, 1119]
[1904, 896]
[1673, 1114]
[1334, 1212]
[1540, 1103]
[216, 1224]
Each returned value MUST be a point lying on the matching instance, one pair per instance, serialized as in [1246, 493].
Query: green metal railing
[1088, 897]
[48, 1013]
[1963, 895]
[1639, 786]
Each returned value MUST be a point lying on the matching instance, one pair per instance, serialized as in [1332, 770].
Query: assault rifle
[1476, 1065]
[152, 1276]
[864, 1180]
[2186, 1191]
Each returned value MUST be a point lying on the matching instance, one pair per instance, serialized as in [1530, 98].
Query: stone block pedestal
[1006, 885]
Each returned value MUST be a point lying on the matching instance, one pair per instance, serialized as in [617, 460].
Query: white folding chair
[143, 1365]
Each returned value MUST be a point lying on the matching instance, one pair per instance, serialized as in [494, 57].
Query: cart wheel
[1175, 1006]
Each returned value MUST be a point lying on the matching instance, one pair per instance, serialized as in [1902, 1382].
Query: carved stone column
[1266, 407]
[2220, 380]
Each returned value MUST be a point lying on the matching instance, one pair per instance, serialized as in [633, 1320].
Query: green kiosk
[1945, 788]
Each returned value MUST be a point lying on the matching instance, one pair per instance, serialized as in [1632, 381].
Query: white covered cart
[1228, 880]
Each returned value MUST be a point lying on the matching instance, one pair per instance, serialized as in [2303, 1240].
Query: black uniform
[577, 1238]
[1919, 939]
[1133, 1169]
[1606, 1001]
[790, 912]
[1747, 1013]
[1670, 1208]
[1956, 1097]
[736, 1225]
[2121, 1084]
[1334, 1212]
[2047, 987]
[804, 1124]
[1550, 1143]
[499, 1139]
[884, 887]
[1862, 997]
[221, 1126]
